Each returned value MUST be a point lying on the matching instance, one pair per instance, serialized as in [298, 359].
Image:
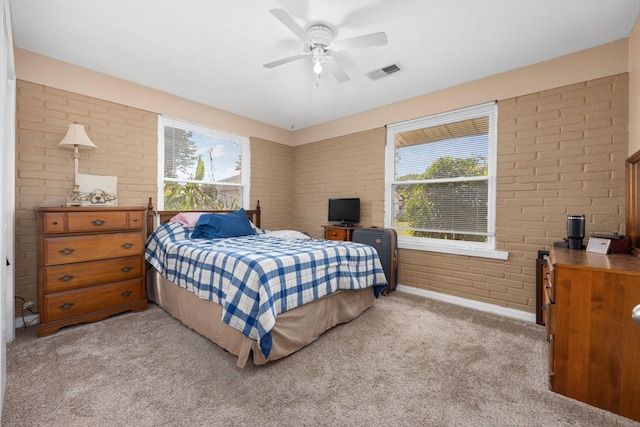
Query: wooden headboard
[160, 217]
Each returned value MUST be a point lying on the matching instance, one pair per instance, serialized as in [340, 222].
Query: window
[440, 181]
[201, 168]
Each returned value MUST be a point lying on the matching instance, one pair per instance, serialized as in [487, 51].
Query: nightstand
[338, 232]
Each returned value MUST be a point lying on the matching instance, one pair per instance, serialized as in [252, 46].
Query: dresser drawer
[549, 279]
[82, 275]
[78, 222]
[335, 234]
[53, 222]
[72, 303]
[92, 222]
[135, 220]
[66, 250]
[550, 309]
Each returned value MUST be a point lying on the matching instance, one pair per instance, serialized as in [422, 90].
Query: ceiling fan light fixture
[319, 38]
[318, 58]
[317, 68]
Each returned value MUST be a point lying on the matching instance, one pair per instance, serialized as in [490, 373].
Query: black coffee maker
[575, 233]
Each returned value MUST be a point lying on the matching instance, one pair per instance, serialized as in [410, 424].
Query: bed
[261, 296]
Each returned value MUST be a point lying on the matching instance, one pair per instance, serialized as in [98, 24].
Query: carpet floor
[407, 361]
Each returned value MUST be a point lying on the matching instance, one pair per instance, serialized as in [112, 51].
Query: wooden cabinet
[90, 264]
[594, 344]
[338, 232]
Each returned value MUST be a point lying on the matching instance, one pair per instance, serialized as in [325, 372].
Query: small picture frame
[598, 245]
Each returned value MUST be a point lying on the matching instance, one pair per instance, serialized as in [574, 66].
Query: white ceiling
[213, 51]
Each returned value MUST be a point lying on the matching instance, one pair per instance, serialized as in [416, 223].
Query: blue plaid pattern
[254, 278]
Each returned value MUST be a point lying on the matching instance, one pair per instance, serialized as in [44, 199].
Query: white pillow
[286, 234]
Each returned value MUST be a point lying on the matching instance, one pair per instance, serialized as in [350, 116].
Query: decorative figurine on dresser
[90, 264]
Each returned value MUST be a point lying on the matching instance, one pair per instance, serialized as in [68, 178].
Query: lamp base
[75, 199]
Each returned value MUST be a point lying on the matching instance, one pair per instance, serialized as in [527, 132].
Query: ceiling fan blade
[286, 60]
[369, 40]
[289, 22]
[337, 71]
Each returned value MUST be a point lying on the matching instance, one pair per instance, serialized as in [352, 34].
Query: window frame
[481, 249]
[245, 152]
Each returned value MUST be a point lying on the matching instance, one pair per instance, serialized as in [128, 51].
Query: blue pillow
[215, 226]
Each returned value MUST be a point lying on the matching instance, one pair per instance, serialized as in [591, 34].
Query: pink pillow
[190, 219]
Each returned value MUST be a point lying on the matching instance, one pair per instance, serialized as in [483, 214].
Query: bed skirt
[293, 330]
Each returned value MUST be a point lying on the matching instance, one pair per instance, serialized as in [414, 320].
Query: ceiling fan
[319, 39]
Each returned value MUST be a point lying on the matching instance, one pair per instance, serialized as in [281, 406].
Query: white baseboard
[31, 320]
[476, 305]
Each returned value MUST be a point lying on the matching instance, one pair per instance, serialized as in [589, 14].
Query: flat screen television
[344, 211]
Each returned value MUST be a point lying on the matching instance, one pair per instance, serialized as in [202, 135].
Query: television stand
[339, 232]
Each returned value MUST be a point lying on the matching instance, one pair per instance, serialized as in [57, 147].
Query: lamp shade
[77, 137]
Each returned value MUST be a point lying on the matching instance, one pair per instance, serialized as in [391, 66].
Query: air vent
[384, 71]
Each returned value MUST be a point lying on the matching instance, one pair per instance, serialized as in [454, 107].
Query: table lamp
[75, 139]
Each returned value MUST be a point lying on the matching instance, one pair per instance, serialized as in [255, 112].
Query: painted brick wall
[127, 140]
[271, 177]
[560, 152]
[347, 166]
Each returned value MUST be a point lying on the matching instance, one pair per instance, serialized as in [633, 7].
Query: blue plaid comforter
[254, 278]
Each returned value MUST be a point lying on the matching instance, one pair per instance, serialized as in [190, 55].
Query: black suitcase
[385, 241]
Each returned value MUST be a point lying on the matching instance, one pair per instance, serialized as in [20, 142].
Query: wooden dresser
[338, 232]
[90, 264]
[594, 343]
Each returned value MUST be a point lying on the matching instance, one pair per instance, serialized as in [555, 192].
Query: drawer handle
[126, 269]
[66, 278]
[126, 293]
[98, 222]
[66, 251]
[65, 306]
[55, 222]
[635, 314]
[126, 245]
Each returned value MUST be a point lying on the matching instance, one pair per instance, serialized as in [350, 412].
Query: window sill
[455, 250]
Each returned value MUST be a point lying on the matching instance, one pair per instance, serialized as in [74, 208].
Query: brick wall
[347, 166]
[127, 140]
[271, 177]
[560, 152]
[127, 146]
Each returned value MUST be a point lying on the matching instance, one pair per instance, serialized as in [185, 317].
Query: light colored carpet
[407, 361]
